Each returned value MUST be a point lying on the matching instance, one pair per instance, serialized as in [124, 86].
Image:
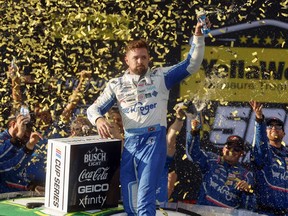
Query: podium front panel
[88, 175]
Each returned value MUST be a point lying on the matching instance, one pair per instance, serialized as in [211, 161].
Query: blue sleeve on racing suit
[187, 67]
[14, 161]
[260, 151]
[7, 149]
[103, 103]
[195, 154]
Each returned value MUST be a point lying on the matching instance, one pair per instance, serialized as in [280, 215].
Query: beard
[140, 70]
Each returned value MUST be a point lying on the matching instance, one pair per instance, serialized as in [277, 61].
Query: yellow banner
[240, 74]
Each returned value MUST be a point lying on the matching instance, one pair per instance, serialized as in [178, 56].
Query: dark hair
[235, 140]
[269, 121]
[141, 43]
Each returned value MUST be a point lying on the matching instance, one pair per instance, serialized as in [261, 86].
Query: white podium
[82, 173]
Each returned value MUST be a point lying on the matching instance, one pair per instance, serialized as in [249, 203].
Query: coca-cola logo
[95, 175]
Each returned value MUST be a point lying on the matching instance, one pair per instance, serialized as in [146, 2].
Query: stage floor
[15, 204]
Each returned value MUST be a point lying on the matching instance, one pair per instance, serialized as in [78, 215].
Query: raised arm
[193, 151]
[191, 64]
[260, 142]
[76, 95]
[13, 74]
[174, 130]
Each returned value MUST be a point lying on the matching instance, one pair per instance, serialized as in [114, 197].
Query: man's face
[275, 132]
[232, 153]
[137, 60]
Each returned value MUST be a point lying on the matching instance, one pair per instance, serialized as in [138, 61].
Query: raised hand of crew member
[20, 128]
[180, 114]
[195, 125]
[257, 108]
[103, 127]
[33, 140]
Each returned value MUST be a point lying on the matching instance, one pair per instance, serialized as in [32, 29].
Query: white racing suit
[142, 103]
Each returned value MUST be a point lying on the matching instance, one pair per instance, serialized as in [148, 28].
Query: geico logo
[93, 188]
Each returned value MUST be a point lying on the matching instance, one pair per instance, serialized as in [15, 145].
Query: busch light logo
[144, 110]
[95, 157]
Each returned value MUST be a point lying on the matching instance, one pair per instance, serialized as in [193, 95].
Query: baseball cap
[235, 140]
[274, 120]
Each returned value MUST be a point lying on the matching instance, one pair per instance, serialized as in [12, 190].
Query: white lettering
[92, 200]
[93, 188]
[144, 110]
[95, 175]
[96, 157]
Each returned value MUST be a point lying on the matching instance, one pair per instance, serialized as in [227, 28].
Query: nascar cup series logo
[56, 185]
[95, 157]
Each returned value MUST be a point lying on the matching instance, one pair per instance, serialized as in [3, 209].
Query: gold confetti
[254, 53]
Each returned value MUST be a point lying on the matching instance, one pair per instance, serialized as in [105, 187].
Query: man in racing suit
[142, 95]
[16, 148]
[225, 182]
[270, 158]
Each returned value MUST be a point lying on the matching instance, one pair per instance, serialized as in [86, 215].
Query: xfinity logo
[92, 200]
[144, 110]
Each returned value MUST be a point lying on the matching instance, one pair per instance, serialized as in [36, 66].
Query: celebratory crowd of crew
[133, 108]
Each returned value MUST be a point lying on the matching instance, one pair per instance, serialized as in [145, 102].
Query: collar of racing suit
[129, 77]
[282, 151]
[224, 163]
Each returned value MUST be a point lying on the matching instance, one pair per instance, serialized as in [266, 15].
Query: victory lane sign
[82, 173]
